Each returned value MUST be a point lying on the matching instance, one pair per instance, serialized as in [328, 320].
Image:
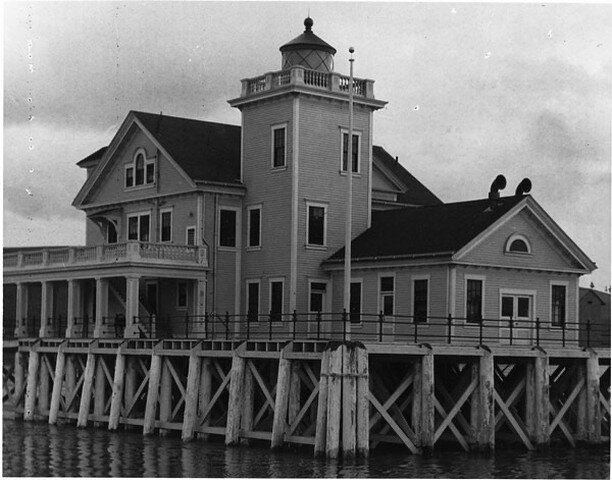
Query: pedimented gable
[109, 180]
[545, 250]
[382, 181]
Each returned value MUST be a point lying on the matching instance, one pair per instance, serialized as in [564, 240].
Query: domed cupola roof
[309, 51]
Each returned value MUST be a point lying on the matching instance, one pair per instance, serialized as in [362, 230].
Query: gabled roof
[430, 230]
[97, 155]
[415, 192]
[206, 151]
[604, 298]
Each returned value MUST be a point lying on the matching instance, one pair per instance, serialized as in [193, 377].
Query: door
[318, 324]
[519, 309]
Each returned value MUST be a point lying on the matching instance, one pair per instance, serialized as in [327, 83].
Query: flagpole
[349, 196]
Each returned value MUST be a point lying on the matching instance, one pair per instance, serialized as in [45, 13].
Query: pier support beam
[205, 392]
[248, 404]
[321, 425]
[281, 402]
[19, 377]
[152, 395]
[32, 385]
[99, 390]
[86, 390]
[541, 434]
[43, 387]
[58, 378]
[191, 398]
[485, 419]
[117, 395]
[165, 397]
[423, 402]
[349, 400]
[70, 378]
[334, 402]
[363, 405]
[234, 407]
[592, 399]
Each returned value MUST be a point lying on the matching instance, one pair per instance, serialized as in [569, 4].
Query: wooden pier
[340, 397]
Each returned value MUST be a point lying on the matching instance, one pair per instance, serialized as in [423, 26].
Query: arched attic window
[518, 244]
[141, 170]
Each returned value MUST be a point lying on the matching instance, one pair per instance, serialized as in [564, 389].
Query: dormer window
[518, 244]
[141, 171]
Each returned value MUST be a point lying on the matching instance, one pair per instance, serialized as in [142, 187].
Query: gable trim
[545, 221]
[389, 176]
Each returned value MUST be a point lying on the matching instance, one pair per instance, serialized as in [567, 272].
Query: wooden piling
[363, 405]
[86, 390]
[485, 428]
[19, 374]
[190, 414]
[70, 379]
[32, 385]
[117, 395]
[165, 396]
[582, 419]
[474, 406]
[234, 407]
[281, 402]
[417, 394]
[334, 402]
[43, 386]
[542, 408]
[592, 399]
[148, 425]
[294, 393]
[530, 399]
[99, 391]
[321, 425]
[58, 378]
[205, 392]
[246, 420]
[349, 400]
[129, 382]
[427, 403]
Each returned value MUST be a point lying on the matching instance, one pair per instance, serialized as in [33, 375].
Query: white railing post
[297, 75]
[19, 259]
[45, 257]
[71, 252]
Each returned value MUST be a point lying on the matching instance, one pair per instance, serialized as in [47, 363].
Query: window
[473, 300]
[420, 289]
[316, 227]
[227, 228]
[254, 226]
[111, 232]
[276, 300]
[253, 300]
[355, 153]
[355, 303]
[387, 289]
[166, 225]
[518, 244]
[138, 227]
[558, 305]
[516, 306]
[181, 294]
[317, 296]
[141, 171]
[279, 151]
[190, 236]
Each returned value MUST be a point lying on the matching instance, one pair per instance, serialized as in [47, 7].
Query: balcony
[131, 252]
[312, 79]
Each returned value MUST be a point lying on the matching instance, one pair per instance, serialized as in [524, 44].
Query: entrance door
[519, 308]
[317, 324]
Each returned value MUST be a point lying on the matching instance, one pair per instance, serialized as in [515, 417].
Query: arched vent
[518, 244]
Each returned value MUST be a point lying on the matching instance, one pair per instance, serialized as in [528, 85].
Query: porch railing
[135, 251]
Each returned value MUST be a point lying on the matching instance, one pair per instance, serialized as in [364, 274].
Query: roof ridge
[208, 122]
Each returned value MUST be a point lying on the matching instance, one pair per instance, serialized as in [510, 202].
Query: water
[37, 449]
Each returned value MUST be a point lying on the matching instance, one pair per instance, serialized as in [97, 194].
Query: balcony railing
[132, 251]
[299, 76]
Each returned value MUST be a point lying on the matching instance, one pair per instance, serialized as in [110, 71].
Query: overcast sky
[473, 91]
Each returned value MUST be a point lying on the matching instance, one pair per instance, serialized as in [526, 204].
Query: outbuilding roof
[427, 231]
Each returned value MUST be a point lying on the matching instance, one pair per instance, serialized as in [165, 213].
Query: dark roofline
[96, 156]
[140, 112]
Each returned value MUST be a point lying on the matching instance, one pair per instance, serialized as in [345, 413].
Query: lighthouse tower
[295, 166]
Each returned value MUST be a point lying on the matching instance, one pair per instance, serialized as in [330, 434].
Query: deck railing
[146, 252]
[344, 326]
[300, 76]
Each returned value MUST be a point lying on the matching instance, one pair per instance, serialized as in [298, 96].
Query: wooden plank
[148, 425]
[530, 399]
[246, 421]
[400, 433]
[453, 412]
[321, 423]
[117, 395]
[349, 400]
[205, 392]
[542, 394]
[451, 426]
[401, 388]
[281, 402]
[136, 395]
[234, 407]
[268, 397]
[214, 399]
[300, 440]
[485, 433]
[191, 398]
[99, 387]
[31, 386]
[86, 390]
[295, 386]
[592, 399]
[512, 420]
[417, 394]
[300, 415]
[43, 384]
[510, 401]
[56, 394]
[19, 376]
[177, 379]
[566, 405]
[334, 392]
[427, 402]
[165, 396]
[562, 425]
[363, 405]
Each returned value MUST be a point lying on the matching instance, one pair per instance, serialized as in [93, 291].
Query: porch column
[101, 304]
[132, 285]
[73, 307]
[21, 309]
[200, 297]
[46, 307]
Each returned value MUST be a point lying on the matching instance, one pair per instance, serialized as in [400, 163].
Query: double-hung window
[141, 171]
[420, 300]
[355, 303]
[190, 236]
[139, 227]
[316, 228]
[387, 295]
[558, 295]
[165, 225]
[252, 300]
[355, 154]
[279, 146]
[473, 300]
[276, 299]
[227, 228]
[254, 226]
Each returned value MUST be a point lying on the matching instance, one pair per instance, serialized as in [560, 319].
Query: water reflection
[59, 451]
